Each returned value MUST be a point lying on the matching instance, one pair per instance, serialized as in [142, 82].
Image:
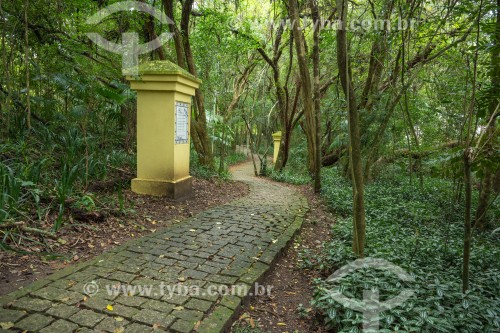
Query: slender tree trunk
[150, 30]
[27, 64]
[168, 7]
[307, 97]
[6, 110]
[317, 95]
[199, 131]
[468, 158]
[490, 134]
[354, 138]
[467, 220]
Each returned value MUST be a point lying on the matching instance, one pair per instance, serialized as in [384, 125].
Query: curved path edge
[228, 248]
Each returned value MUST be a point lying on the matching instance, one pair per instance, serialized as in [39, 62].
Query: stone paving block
[194, 283]
[187, 314]
[222, 279]
[32, 304]
[110, 324]
[172, 270]
[124, 311]
[216, 321]
[62, 310]
[160, 306]
[241, 289]
[196, 260]
[152, 317]
[234, 272]
[254, 273]
[187, 264]
[34, 322]
[96, 303]
[122, 277]
[230, 301]
[176, 298]
[194, 274]
[132, 269]
[209, 269]
[152, 273]
[166, 261]
[7, 315]
[61, 326]
[217, 264]
[154, 265]
[87, 318]
[108, 263]
[63, 283]
[97, 271]
[138, 328]
[207, 295]
[59, 295]
[85, 330]
[130, 300]
[175, 256]
[198, 304]
[183, 326]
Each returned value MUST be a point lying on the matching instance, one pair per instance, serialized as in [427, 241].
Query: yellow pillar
[164, 92]
[277, 142]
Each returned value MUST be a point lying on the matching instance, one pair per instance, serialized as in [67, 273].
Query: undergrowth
[420, 230]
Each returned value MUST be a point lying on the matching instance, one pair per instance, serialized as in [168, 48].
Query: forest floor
[287, 309]
[99, 231]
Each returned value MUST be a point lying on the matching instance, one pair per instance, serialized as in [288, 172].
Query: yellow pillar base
[177, 190]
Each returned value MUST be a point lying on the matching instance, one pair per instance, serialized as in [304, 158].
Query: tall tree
[199, 131]
[488, 140]
[312, 120]
[354, 138]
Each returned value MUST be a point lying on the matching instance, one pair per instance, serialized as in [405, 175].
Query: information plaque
[181, 123]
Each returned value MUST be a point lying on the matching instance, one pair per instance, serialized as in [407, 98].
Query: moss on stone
[164, 67]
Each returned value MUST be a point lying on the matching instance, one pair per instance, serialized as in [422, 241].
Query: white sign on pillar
[181, 123]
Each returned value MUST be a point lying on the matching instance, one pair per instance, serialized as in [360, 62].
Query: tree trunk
[168, 6]
[467, 220]
[354, 138]
[468, 159]
[199, 131]
[307, 98]
[27, 64]
[317, 96]
[490, 132]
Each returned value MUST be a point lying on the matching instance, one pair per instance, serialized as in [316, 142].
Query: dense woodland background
[396, 128]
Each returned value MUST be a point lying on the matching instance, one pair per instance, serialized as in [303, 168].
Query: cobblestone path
[191, 276]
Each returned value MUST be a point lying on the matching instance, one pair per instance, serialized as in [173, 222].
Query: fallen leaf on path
[7, 325]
